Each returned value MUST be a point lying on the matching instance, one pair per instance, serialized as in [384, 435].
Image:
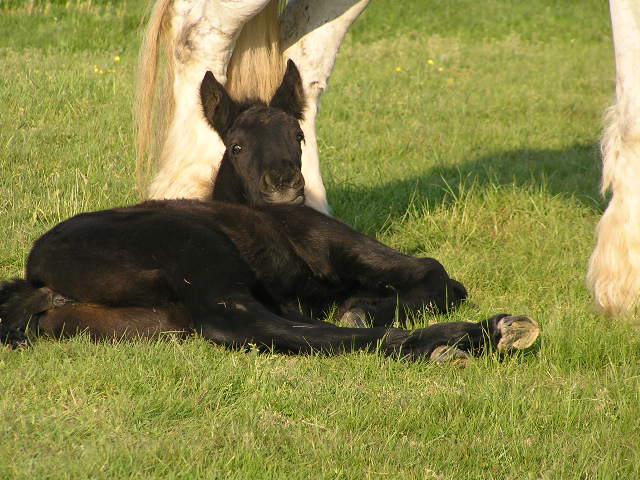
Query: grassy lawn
[467, 131]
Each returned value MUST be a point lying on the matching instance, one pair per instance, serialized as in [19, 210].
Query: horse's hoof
[355, 318]
[517, 332]
[449, 353]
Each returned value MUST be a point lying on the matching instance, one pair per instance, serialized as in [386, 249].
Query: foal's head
[262, 160]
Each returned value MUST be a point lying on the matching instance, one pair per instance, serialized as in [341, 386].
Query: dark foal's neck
[227, 186]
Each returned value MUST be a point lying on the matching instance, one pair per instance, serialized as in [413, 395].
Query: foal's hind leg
[20, 306]
[103, 322]
[312, 33]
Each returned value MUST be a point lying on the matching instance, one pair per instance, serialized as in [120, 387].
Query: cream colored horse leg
[202, 37]
[614, 269]
[312, 33]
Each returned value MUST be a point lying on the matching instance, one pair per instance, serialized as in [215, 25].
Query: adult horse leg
[614, 269]
[312, 32]
[199, 35]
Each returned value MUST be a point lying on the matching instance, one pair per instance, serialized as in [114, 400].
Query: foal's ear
[290, 96]
[219, 109]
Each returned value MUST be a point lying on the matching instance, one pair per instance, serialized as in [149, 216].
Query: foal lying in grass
[252, 265]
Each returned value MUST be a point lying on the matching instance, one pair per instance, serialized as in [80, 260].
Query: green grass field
[467, 131]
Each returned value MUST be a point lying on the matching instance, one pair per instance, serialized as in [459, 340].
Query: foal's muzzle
[283, 186]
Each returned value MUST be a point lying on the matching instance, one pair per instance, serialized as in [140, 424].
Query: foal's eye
[300, 137]
[235, 148]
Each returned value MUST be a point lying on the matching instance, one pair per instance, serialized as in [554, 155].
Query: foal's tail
[255, 70]
[20, 303]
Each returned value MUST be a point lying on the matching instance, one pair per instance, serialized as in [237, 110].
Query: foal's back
[164, 251]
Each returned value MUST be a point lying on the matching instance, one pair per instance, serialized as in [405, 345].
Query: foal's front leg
[377, 312]
[336, 252]
[503, 333]
[243, 321]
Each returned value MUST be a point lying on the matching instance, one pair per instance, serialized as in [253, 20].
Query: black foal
[252, 265]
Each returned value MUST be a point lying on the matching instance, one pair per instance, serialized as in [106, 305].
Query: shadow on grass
[573, 172]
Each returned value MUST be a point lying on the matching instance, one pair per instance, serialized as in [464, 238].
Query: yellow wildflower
[398, 69]
[430, 62]
[441, 69]
[116, 58]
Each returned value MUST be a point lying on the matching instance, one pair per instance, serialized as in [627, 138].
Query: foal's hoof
[517, 332]
[16, 345]
[14, 339]
[355, 318]
[58, 300]
[449, 353]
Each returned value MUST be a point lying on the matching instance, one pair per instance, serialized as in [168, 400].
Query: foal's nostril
[278, 179]
[297, 181]
[267, 182]
[283, 185]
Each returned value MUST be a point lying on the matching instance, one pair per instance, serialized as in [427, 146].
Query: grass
[485, 158]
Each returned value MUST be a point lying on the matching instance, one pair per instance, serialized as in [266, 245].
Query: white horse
[614, 269]
[245, 44]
